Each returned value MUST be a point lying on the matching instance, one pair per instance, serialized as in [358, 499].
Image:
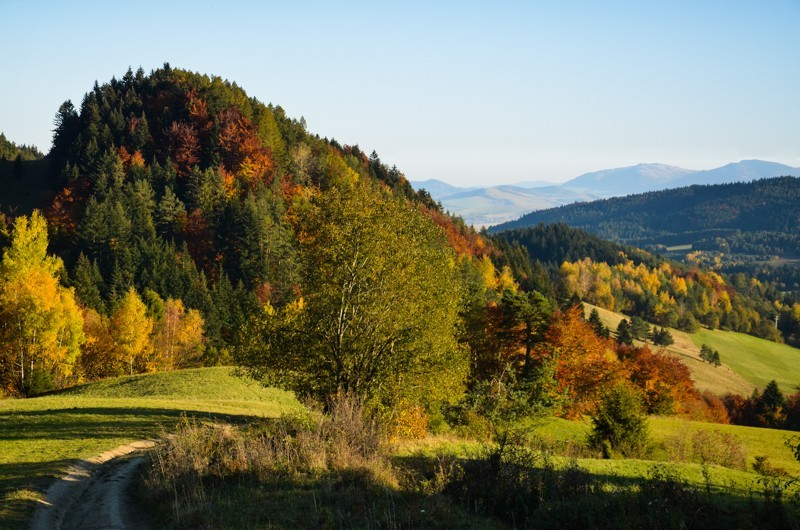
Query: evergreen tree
[88, 283]
[597, 324]
[624, 335]
[620, 424]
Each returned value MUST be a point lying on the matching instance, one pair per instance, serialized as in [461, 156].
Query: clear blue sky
[466, 92]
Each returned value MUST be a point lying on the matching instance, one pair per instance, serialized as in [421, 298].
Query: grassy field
[747, 362]
[41, 436]
[757, 360]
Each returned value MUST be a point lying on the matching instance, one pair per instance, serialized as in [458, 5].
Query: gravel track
[94, 494]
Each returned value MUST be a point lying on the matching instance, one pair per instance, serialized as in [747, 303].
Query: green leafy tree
[619, 426]
[624, 333]
[379, 312]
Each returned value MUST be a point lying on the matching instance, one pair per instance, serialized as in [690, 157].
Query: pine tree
[624, 335]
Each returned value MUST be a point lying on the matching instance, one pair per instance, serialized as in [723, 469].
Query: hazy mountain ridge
[698, 214]
[487, 206]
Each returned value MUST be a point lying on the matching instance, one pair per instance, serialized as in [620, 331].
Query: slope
[747, 362]
[43, 435]
[682, 216]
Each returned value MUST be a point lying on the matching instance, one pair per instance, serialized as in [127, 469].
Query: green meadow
[40, 437]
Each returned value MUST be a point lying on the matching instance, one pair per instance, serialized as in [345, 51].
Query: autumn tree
[98, 357]
[379, 312]
[130, 331]
[586, 365]
[40, 323]
[178, 336]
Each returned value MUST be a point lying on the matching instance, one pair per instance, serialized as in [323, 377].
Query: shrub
[619, 424]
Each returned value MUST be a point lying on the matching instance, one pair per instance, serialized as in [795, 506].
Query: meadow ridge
[41, 436]
[747, 362]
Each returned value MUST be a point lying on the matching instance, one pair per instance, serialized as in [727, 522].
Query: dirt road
[94, 494]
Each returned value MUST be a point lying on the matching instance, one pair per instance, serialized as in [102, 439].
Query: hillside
[42, 435]
[747, 362]
[689, 215]
[181, 185]
[637, 282]
[487, 206]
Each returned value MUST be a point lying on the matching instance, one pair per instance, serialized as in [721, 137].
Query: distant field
[747, 362]
[41, 436]
[677, 248]
[757, 360]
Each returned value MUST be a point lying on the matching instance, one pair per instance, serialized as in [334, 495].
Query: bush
[620, 426]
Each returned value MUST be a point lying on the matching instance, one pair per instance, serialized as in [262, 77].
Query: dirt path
[94, 494]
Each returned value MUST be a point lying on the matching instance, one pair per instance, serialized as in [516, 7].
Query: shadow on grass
[534, 496]
[20, 485]
[97, 422]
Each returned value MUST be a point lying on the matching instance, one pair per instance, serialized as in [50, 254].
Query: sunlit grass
[39, 437]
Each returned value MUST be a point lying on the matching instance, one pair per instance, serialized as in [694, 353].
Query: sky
[471, 93]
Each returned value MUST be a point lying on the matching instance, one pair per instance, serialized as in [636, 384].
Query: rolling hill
[488, 206]
[684, 215]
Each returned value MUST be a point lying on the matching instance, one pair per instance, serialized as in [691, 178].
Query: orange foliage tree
[241, 149]
[586, 365]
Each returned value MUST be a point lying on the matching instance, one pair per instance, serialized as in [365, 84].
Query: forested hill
[11, 151]
[181, 186]
[682, 216]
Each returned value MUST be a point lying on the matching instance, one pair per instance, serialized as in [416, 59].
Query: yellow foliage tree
[130, 332]
[41, 327]
[178, 337]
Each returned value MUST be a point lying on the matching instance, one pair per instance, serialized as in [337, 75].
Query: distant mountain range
[757, 218]
[488, 206]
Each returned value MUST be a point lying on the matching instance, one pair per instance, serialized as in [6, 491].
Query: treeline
[585, 267]
[761, 205]
[729, 227]
[11, 151]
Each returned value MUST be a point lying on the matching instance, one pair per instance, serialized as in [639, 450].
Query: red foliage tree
[586, 364]
[241, 150]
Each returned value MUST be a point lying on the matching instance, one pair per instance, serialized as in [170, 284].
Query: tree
[40, 323]
[624, 333]
[620, 425]
[639, 328]
[130, 331]
[178, 336]
[585, 364]
[596, 323]
[770, 405]
[525, 320]
[379, 309]
[662, 337]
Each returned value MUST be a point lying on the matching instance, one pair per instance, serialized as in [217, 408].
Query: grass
[756, 360]
[747, 362]
[39, 437]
